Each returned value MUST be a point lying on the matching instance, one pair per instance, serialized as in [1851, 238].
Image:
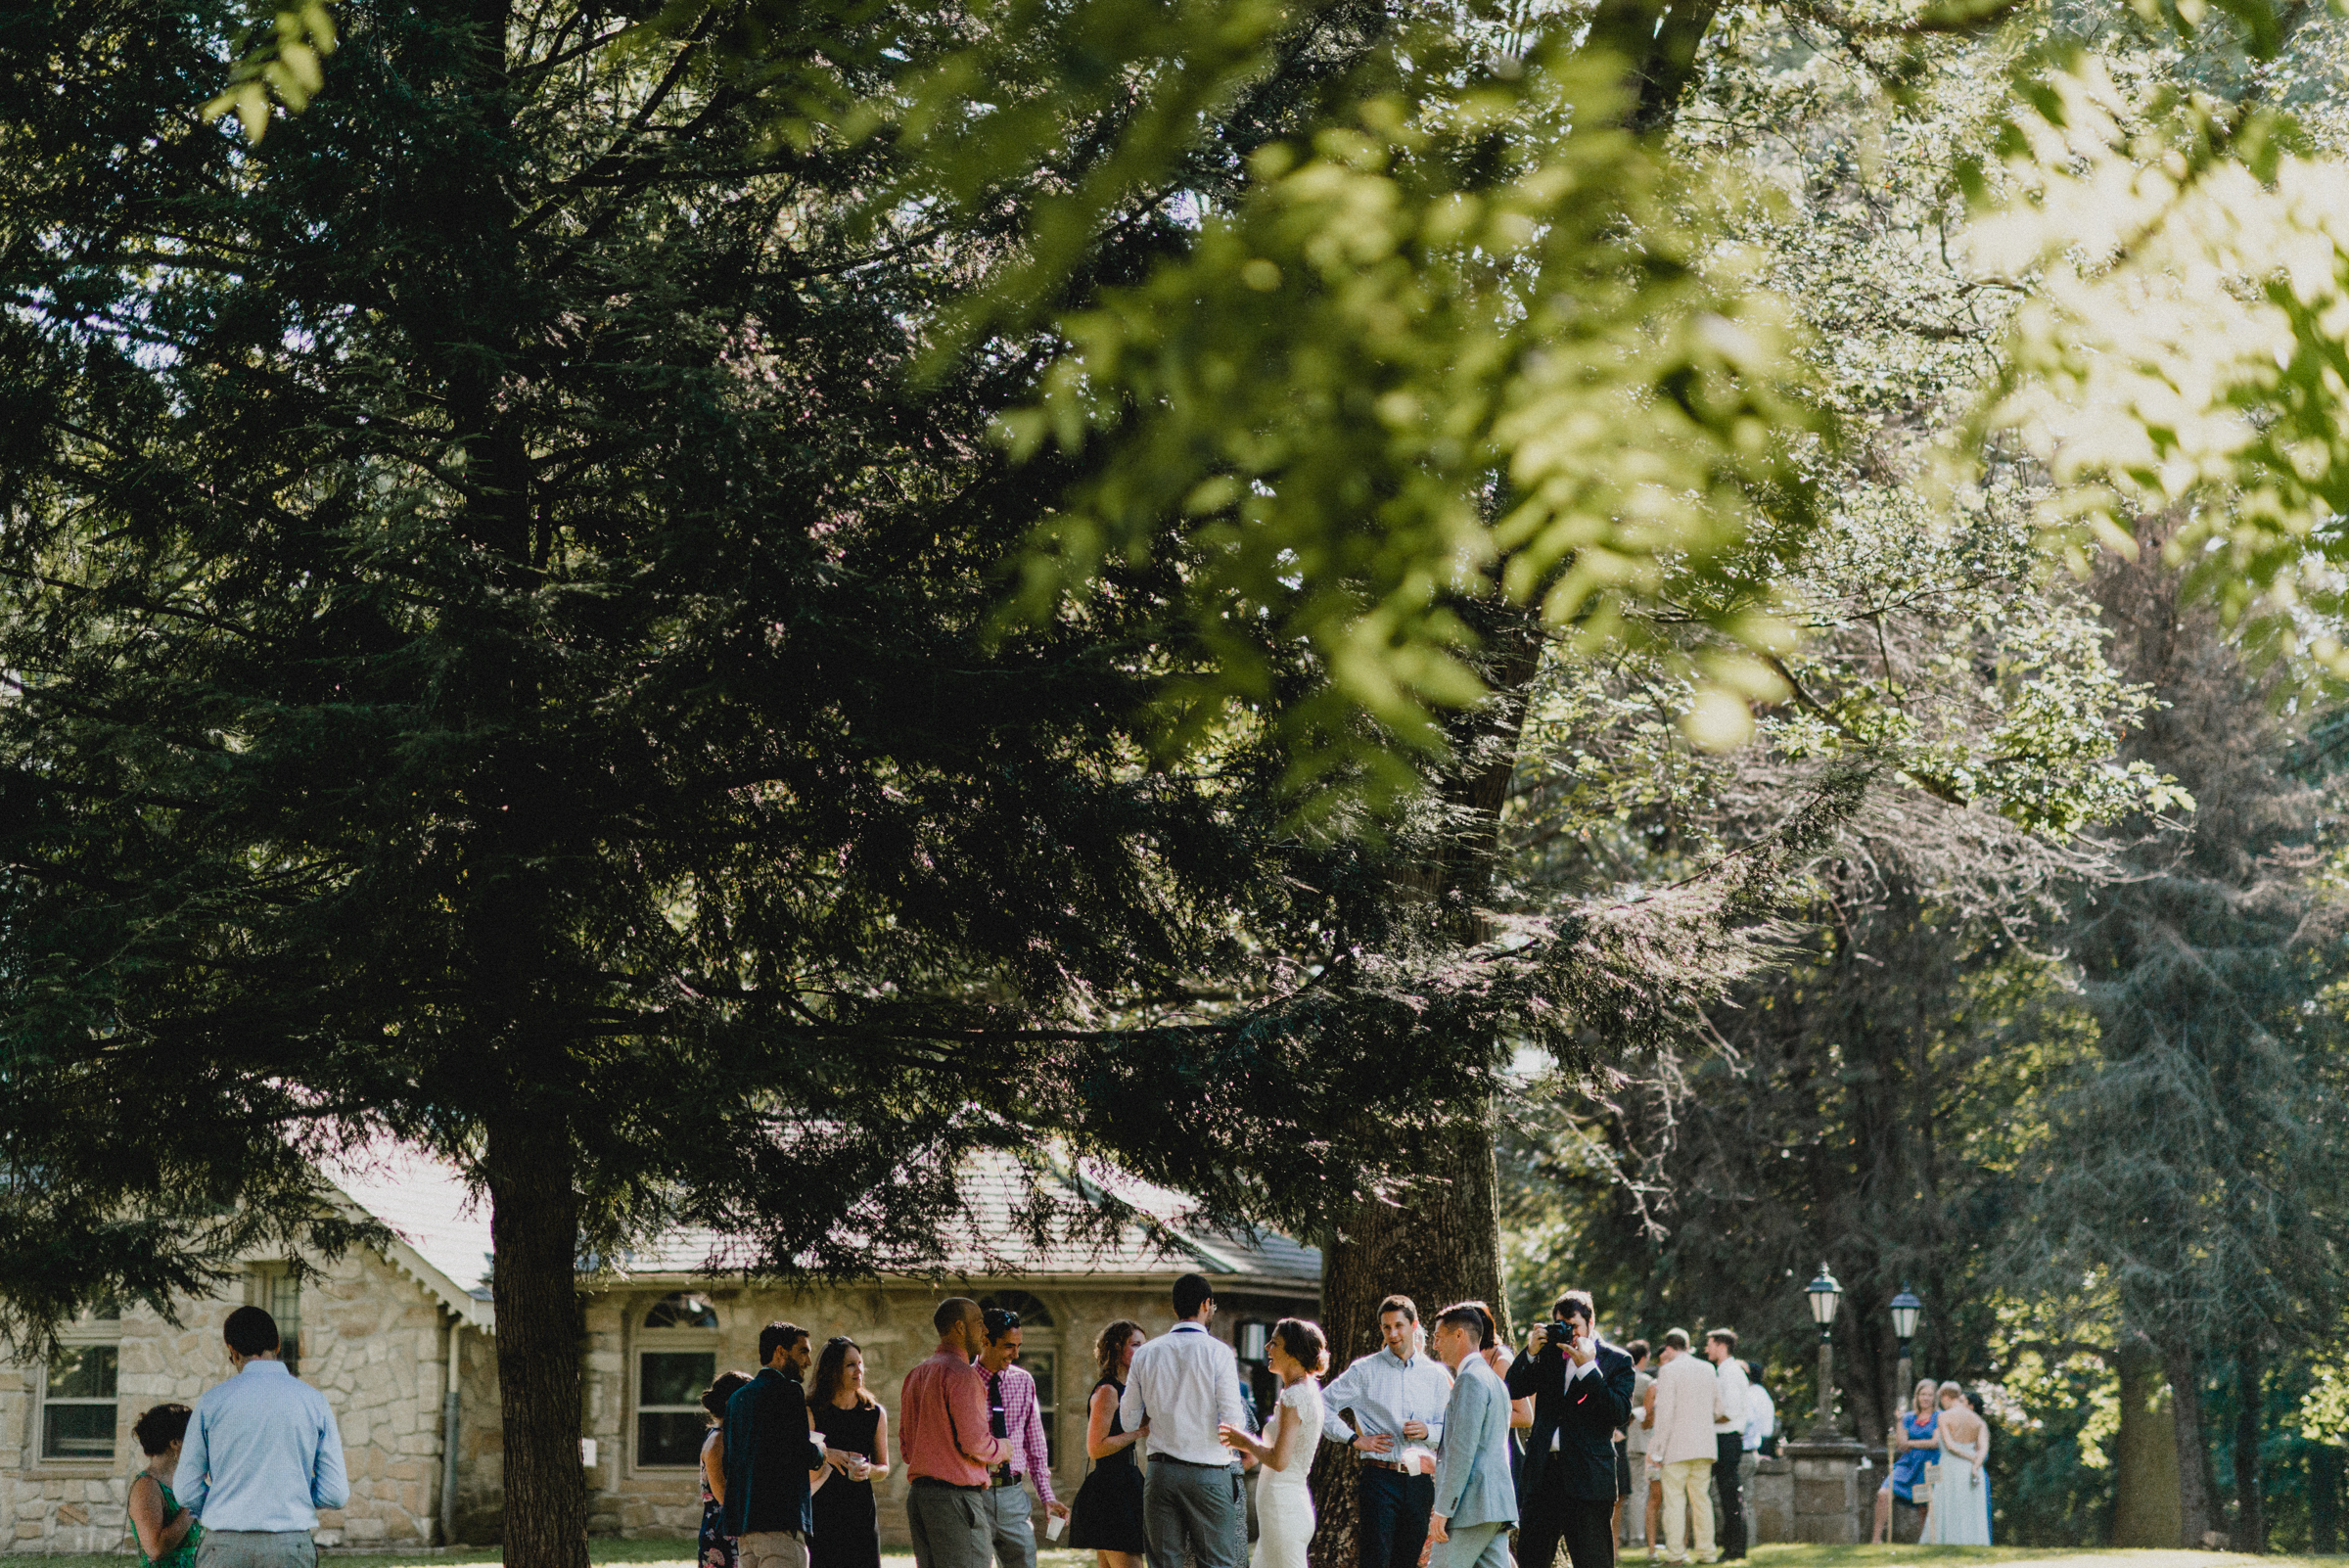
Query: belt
[1003, 1475]
[1391, 1464]
[939, 1481]
[1169, 1458]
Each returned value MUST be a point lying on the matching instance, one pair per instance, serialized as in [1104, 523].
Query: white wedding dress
[1284, 1506]
[1959, 1512]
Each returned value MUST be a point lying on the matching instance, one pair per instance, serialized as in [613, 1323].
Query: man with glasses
[1013, 1418]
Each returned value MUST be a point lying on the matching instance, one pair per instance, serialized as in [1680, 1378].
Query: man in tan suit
[1687, 1404]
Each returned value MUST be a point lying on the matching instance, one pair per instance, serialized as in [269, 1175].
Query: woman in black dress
[853, 1422]
[1107, 1516]
[717, 1547]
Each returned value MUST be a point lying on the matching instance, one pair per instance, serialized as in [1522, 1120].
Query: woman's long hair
[829, 1369]
[1112, 1345]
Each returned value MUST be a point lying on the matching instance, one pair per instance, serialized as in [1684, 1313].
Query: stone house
[401, 1342]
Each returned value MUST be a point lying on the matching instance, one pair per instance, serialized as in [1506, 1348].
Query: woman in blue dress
[1913, 1449]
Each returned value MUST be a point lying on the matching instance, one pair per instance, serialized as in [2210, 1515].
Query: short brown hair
[1726, 1336]
[1400, 1303]
[953, 1310]
[1676, 1338]
[1467, 1314]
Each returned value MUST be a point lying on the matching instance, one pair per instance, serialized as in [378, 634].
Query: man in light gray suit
[1476, 1501]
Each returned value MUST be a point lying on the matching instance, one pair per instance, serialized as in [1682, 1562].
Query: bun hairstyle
[1111, 1343]
[161, 1427]
[714, 1397]
[1305, 1343]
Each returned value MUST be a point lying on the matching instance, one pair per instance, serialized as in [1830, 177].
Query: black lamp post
[1825, 1295]
[1905, 1311]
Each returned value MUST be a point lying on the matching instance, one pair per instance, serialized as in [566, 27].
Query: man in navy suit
[1582, 1389]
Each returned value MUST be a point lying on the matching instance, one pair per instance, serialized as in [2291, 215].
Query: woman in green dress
[167, 1533]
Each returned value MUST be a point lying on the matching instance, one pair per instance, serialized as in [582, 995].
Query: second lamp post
[1825, 1295]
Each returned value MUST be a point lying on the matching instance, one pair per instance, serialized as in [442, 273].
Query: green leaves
[278, 54]
[1452, 347]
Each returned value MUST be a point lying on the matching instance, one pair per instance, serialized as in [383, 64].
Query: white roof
[1054, 1229]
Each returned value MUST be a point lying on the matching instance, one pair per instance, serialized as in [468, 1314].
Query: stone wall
[371, 1342]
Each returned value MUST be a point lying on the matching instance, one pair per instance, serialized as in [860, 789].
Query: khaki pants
[771, 1548]
[1687, 1485]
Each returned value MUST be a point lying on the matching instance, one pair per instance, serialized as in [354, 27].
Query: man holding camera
[1581, 1391]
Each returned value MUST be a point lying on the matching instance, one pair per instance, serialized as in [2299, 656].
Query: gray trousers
[1011, 1521]
[1484, 1545]
[949, 1526]
[1195, 1511]
[257, 1548]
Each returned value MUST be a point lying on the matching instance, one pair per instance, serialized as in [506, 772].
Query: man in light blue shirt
[263, 1457]
[1389, 1398]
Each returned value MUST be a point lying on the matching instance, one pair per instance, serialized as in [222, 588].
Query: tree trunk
[2197, 1484]
[535, 1227]
[2144, 1454]
[2325, 1470]
[1441, 1245]
[2250, 1508]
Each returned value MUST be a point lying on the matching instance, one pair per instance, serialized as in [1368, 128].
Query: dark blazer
[1584, 1412]
[768, 1455]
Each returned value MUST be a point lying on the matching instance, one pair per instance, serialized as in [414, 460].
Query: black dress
[1107, 1515]
[847, 1534]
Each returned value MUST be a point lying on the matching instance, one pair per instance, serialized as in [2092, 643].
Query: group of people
[1938, 1491]
[1463, 1445]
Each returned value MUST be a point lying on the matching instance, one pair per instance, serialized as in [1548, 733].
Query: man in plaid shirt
[1012, 1416]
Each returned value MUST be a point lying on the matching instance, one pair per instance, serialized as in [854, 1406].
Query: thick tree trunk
[2250, 1508]
[2197, 1484]
[1441, 1245]
[2325, 1470]
[535, 1227]
[2144, 1454]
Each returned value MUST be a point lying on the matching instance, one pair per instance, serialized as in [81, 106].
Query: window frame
[261, 1289]
[645, 1341]
[86, 1332]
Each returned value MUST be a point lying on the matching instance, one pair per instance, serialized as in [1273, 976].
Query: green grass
[679, 1552]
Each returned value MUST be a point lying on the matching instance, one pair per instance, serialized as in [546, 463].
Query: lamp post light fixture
[1906, 1308]
[1825, 1295]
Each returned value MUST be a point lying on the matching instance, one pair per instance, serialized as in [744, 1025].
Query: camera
[1561, 1335]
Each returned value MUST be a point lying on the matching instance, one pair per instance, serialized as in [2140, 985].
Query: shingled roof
[1049, 1230]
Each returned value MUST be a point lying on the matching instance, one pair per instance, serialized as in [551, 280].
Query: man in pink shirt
[943, 1436]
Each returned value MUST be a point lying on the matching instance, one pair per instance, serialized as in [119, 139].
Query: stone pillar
[1773, 1499]
[1831, 1492]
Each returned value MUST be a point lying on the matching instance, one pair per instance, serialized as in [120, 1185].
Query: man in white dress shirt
[1187, 1384]
[1382, 1405]
[1728, 1438]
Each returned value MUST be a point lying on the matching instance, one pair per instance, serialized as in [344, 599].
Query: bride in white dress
[1959, 1512]
[1297, 1353]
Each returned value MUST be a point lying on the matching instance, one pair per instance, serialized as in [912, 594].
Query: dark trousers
[1549, 1518]
[1394, 1523]
[1728, 1451]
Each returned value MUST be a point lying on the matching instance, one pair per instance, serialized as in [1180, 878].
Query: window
[77, 1404]
[670, 1420]
[1040, 1352]
[276, 1289]
[1041, 1367]
[681, 1311]
[1034, 1313]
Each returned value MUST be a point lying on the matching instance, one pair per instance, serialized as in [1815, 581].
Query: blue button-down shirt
[1384, 1391]
[262, 1452]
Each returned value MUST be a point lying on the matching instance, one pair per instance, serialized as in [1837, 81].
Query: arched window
[681, 1311]
[1034, 1313]
[676, 1356]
